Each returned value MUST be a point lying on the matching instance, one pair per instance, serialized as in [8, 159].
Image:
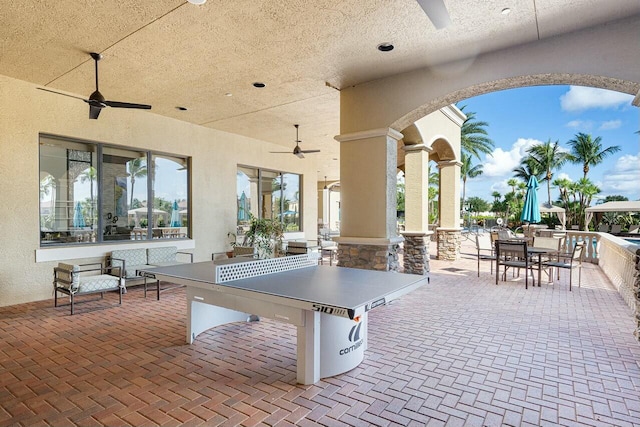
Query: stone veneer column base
[416, 252]
[636, 291]
[449, 243]
[369, 253]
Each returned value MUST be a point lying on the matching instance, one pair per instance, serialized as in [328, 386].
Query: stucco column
[449, 232]
[368, 237]
[416, 246]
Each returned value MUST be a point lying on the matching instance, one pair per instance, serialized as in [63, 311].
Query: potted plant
[232, 242]
[265, 234]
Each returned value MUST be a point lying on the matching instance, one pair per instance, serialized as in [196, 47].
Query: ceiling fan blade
[309, 151]
[94, 112]
[60, 93]
[437, 12]
[280, 152]
[117, 104]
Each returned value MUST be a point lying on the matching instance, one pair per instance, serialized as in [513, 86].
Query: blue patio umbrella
[531, 210]
[175, 215]
[243, 215]
[78, 218]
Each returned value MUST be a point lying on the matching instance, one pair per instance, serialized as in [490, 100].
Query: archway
[374, 113]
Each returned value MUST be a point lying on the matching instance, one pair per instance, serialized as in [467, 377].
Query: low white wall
[617, 260]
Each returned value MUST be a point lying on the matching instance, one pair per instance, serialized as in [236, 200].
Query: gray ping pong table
[328, 305]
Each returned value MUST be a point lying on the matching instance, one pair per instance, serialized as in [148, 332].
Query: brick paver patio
[459, 352]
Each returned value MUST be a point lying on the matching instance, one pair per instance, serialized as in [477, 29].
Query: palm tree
[548, 156]
[137, 169]
[513, 183]
[474, 137]
[589, 151]
[90, 174]
[564, 186]
[527, 169]
[585, 190]
[496, 196]
[48, 187]
[434, 178]
[467, 170]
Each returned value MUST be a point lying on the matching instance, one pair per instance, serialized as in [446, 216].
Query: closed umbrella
[531, 210]
[78, 218]
[242, 208]
[175, 215]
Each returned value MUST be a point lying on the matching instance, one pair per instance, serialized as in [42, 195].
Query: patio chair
[554, 245]
[634, 229]
[603, 228]
[84, 279]
[484, 247]
[513, 254]
[616, 229]
[575, 261]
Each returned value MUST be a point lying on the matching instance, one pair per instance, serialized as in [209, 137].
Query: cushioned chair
[84, 279]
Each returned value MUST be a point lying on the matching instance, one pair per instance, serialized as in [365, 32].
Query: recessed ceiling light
[385, 47]
[181, 108]
[228, 94]
[258, 84]
[197, 1]
[506, 11]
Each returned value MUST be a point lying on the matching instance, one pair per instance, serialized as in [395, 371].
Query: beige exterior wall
[368, 168]
[25, 112]
[443, 125]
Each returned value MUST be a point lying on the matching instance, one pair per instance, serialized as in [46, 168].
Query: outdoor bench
[132, 260]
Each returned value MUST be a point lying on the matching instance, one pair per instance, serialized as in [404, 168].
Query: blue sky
[519, 118]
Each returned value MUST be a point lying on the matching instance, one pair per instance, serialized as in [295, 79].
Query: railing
[590, 239]
[617, 261]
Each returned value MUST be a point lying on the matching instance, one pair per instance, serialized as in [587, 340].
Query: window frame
[99, 224]
[280, 175]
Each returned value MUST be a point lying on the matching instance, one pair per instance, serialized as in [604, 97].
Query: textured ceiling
[170, 53]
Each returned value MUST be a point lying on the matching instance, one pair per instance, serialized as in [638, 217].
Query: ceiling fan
[96, 101]
[297, 150]
[437, 12]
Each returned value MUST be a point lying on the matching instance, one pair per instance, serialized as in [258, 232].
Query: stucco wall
[25, 112]
[604, 56]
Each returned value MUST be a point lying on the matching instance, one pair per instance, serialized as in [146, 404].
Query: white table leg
[202, 316]
[308, 338]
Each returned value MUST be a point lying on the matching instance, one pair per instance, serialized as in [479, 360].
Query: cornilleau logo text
[354, 337]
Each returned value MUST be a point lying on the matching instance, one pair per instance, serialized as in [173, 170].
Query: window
[124, 189]
[97, 193]
[68, 192]
[170, 194]
[268, 194]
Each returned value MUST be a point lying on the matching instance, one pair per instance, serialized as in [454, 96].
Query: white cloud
[624, 177]
[502, 163]
[610, 125]
[580, 98]
[562, 175]
[580, 124]
[501, 187]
